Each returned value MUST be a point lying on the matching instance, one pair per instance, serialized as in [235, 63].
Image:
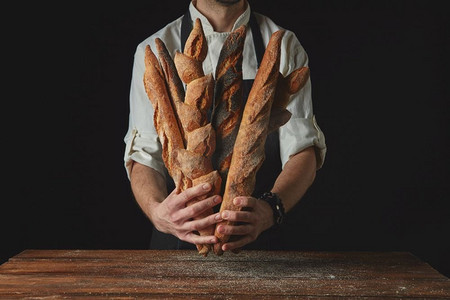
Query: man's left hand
[255, 217]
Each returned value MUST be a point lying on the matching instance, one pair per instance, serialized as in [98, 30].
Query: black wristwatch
[277, 206]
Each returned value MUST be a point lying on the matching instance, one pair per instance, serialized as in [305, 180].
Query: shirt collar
[207, 27]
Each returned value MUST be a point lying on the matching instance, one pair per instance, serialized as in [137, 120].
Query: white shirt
[299, 133]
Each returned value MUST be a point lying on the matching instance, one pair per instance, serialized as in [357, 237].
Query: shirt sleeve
[141, 140]
[302, 130]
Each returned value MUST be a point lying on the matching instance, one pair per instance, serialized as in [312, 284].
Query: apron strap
[257, 39]
[186, 28]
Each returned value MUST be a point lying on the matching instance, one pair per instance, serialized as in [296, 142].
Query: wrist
[152, 209]
[268, 215]
[276, 205]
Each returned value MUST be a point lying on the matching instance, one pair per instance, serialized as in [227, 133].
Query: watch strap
[277, 206]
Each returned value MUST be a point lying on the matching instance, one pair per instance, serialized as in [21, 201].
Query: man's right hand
[169, 214]
[174, 217]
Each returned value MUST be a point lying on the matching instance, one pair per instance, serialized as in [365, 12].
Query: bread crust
[164, 118]
[191, 107]
[248, 151]
[229, 100]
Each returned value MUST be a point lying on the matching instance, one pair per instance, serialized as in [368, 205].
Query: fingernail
[206, 186]
[225, 214]
[216, 199]
[217, 217]
[237, 201]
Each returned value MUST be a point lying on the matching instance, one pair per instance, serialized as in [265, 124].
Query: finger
[201, 206]
[244, 201]
[194, 192]
[236, 244]
[234, 229]
[179, 200]
[200, 224]
[200, 239]
[196, 209]
[238, 216]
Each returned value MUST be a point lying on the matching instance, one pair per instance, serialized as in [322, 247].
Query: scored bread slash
[196, 45]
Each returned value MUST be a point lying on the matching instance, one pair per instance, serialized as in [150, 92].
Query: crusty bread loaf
[248, 151]
[174, 85]
[180, 118]
[164, 118]
[229, 100]
[199, 136]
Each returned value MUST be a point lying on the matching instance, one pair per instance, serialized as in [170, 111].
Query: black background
[380, 88]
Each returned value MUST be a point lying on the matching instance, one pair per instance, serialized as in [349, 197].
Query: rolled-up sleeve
[302, 130]
[299, 134]
[144, 148]
[141, 140]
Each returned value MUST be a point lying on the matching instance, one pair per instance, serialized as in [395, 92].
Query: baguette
[195, 160]
[164, 118]
[248, 151]
[228, 97]
[174, 85]
[180, 117]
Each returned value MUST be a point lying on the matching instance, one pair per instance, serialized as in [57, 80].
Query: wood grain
[127, 274]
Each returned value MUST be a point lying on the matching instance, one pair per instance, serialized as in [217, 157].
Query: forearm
[295, 179]
[148, 186]
[169, 213]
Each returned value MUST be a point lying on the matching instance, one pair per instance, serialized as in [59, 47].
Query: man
[293, 153]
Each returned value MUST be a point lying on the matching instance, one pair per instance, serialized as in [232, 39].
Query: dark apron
[267, 174]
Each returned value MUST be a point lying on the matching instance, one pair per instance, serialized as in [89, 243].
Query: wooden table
[120, 274]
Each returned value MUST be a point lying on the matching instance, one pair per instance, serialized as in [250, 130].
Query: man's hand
[255, 217]
[174, 217]
[169, 214]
